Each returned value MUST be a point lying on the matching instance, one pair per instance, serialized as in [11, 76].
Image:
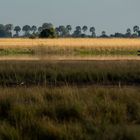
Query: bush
[48, 33]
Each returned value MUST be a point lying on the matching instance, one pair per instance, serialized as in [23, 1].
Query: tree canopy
[50, 31]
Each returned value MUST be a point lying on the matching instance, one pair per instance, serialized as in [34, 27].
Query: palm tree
[78, 28]
[17, 29]
[85, 28]
[34, 29]
[77, 32]
[69, 28]
[26, 29]
[136, 29]
[128, 32]
[63, 31]
[92, 30]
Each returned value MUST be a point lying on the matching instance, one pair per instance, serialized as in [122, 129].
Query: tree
[17, 29]
[48, 33]
[136, 28]
[128, 33]
[104, 34]
[63, 31]
[69, 28]
[33, 29]
[40, 29]
[85, 28]
[8, 29]
[2, 27]
[47, 25]
[92, 30]
[57, 31]
[78, 28]
[77, 32]
[2, 31]
[26, 29]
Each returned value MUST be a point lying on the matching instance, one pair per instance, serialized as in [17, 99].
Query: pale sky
[108, 15]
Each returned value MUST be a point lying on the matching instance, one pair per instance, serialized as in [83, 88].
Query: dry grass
[69, 49]
[100, 43]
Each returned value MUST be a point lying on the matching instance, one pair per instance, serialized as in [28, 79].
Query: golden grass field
[108, 43]
[70, 44]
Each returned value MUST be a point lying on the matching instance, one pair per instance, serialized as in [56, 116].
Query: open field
[70, 113]
[70, 48]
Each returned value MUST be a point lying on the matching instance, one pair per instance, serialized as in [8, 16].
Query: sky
[109, 15]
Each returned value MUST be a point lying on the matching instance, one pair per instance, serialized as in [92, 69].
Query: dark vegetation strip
[28, 73]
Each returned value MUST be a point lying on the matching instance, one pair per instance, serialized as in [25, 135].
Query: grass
[66, 42]
[69, 100]
[16, 52]
[70, 113]
[28, 73]
[70, 47]
[57, 51]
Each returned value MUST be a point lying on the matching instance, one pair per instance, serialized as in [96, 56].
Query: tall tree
[2, 27]
[47, 25]
[128, 32]
[2, 31]
[8, 29]
[33, 29]
[26, 29]
[136, 29]
[69, 28]
[77, 32]
[92, 30]
[17, 29]
[63, 31]
[85, 28]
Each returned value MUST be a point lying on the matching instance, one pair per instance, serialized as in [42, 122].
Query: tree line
[50, 31]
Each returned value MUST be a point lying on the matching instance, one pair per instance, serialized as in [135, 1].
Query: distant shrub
[48, 33]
